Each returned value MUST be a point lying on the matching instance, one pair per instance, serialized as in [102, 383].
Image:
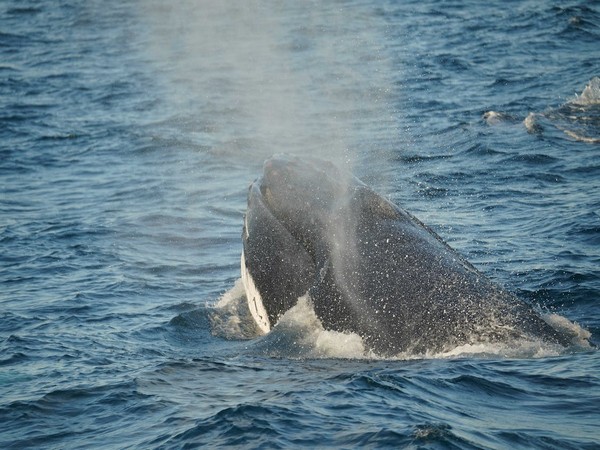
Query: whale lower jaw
[255, 303]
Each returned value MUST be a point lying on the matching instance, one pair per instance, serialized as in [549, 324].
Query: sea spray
[300, 334]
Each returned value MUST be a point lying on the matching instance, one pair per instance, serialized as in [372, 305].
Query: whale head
[301, 224]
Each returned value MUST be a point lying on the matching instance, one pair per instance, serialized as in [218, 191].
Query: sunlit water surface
[130, 132]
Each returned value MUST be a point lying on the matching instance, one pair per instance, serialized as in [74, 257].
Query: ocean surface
[129, 134]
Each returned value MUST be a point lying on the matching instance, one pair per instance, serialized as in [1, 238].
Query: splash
[590, 94]
[527, 348]
[580, 337]
[231, 318]
[300, 335]
[578, 118]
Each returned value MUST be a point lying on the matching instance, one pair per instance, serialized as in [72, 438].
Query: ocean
[129, 134]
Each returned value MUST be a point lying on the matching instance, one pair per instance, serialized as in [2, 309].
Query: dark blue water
[129, 132]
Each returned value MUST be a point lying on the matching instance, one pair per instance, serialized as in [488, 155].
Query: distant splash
[590, 95]
[300, 335]
[578, 118]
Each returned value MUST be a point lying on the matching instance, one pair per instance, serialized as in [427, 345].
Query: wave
[299, 334]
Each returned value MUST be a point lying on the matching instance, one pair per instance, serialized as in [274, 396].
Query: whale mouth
[278, 261]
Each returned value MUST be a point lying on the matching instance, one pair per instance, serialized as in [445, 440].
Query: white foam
[232, 295]
[579, 137]
[318, 342]
[532, 124]
[301, 330]
[590, 94]
[578, 335]
[494, 117]
[577, 118]
[524, 348]
[300, 334]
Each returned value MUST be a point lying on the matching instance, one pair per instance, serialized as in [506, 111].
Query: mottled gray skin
[369, 266]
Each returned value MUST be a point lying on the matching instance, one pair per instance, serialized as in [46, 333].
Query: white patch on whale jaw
[255, 304]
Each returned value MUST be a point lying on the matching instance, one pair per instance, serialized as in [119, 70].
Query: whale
[367, 266]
